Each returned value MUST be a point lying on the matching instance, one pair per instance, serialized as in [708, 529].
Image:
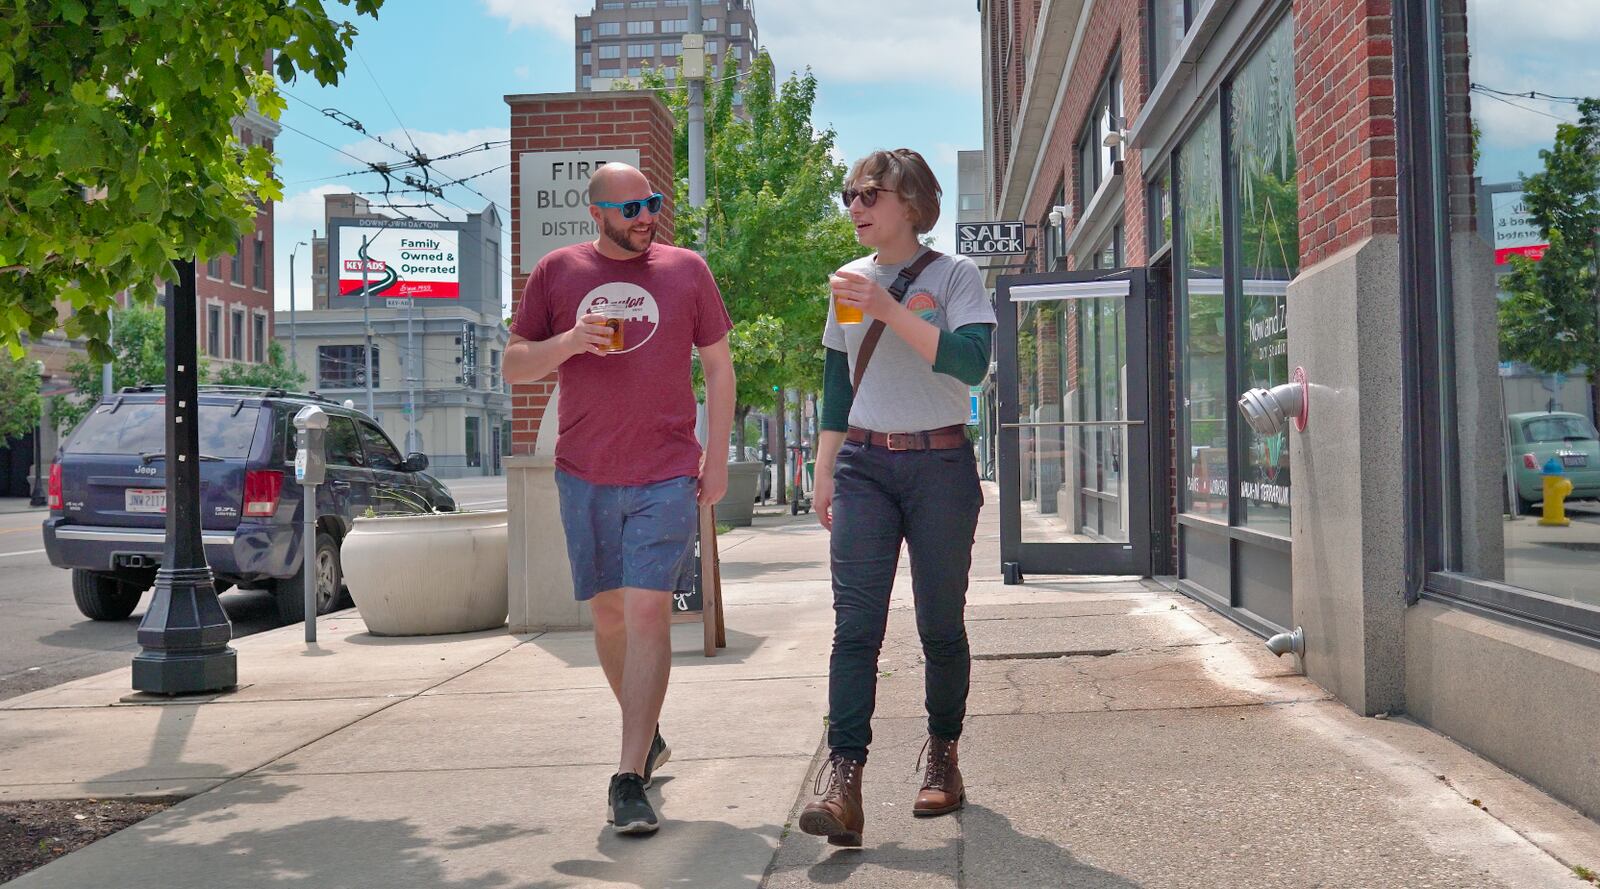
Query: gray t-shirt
[901, 392]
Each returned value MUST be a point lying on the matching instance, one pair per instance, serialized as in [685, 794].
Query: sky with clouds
[434, 75]
[1517, 47]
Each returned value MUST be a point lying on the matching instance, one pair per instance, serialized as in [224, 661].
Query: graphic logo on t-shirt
[926, 307]
[643, 316]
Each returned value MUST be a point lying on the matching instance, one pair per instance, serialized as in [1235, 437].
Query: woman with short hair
[908, 332]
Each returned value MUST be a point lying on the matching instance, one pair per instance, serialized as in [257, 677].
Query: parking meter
[310, 470]
[310, 459]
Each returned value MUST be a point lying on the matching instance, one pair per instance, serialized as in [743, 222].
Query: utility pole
[294, 344]
[411, 381]
[366, 324]
[694, 43]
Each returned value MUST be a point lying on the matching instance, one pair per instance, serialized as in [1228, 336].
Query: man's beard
[626, 237]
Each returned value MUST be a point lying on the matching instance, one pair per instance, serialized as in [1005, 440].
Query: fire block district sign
[554, 209]
[989, 238]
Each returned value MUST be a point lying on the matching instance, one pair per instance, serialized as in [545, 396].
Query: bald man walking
[628, 467]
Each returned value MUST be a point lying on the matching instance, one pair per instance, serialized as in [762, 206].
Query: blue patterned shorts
[629, 536]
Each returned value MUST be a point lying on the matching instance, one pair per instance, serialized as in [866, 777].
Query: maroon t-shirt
[627, 418]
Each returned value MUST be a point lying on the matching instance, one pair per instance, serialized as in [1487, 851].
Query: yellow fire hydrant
[1556, 489]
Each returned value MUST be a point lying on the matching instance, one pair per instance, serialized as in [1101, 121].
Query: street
[45, 641]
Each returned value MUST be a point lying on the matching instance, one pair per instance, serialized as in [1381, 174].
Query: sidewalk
[1118, 736]
[10, 505]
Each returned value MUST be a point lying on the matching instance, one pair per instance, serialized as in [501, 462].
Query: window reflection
[1204, 398]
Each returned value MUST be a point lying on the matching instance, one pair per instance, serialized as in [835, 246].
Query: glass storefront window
[1535, 186]
[1160, 210]
[1261, 129]
[1203, 400]
[1072, 402]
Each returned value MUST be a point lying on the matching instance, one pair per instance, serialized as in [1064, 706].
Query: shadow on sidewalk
[373, 639]
[575, 649]
[311, 854]
[991, 852]
[689, 855]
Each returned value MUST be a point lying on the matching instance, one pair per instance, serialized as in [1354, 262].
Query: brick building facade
[235, 308]
[1297, 185]
[562, 122]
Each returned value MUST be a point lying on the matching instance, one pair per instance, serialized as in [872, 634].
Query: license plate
[1570, 460]
[145, 500]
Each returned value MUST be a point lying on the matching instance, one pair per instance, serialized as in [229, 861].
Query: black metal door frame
[1133, 558]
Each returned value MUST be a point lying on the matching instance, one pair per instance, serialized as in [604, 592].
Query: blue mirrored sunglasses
[630, 209]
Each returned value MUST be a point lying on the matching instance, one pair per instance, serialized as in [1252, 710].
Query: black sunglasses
[868, 195]
[630, 209]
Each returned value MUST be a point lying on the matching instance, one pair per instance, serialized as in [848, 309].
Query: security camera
[1269, 411]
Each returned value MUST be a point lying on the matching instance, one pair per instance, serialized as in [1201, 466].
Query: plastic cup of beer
[846, 314]
[615, 315]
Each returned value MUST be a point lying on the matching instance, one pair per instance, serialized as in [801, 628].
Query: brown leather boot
[838, 815]
[942, 791]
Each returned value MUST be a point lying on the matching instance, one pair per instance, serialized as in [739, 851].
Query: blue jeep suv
[108, 496]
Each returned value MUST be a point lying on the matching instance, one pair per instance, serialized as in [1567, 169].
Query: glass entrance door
[1074, 439]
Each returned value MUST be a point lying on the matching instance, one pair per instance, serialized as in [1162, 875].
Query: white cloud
[1573, 22]
[297, 218]
[549, 15]
[932, 43]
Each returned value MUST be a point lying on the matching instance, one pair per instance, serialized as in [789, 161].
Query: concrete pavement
[1118, 736]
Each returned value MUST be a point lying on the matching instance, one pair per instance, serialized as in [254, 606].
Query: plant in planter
[426, 572]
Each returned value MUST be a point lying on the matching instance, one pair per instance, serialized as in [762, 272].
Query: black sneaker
[630, 808]
[659, 754]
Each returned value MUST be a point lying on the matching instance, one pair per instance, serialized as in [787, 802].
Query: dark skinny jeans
[929, 500]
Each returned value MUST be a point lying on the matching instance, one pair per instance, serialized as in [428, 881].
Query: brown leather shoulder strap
[902, 282]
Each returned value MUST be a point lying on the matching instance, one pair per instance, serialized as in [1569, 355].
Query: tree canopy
[1551, 319]
[774, 229]
[117, 145]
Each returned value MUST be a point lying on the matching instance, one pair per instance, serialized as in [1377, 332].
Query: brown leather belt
[931, 440]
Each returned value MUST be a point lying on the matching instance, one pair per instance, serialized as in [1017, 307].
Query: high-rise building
[621, 39]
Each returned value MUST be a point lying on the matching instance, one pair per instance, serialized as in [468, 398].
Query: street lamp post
[294, 344]
[185, 633]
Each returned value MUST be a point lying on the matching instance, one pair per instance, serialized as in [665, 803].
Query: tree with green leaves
[19, 398]
[117, 146]
[774, 229]
[1551, 320]
[274, 373]
[138, 357]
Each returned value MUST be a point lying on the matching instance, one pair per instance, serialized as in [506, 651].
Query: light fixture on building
[1059, 214]
[1268, 411]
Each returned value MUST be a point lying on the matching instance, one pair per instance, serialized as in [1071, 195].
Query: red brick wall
[1344, 78]
[1458, 117]
[569, 122]
[1116, 29]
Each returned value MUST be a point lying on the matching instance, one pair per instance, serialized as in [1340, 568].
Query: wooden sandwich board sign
[704, 601]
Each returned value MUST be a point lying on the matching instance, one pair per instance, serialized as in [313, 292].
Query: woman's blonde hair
[904, 172]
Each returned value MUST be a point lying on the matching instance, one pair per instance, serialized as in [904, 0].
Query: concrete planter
[538, 573]
[737, 507]
[428, 574]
